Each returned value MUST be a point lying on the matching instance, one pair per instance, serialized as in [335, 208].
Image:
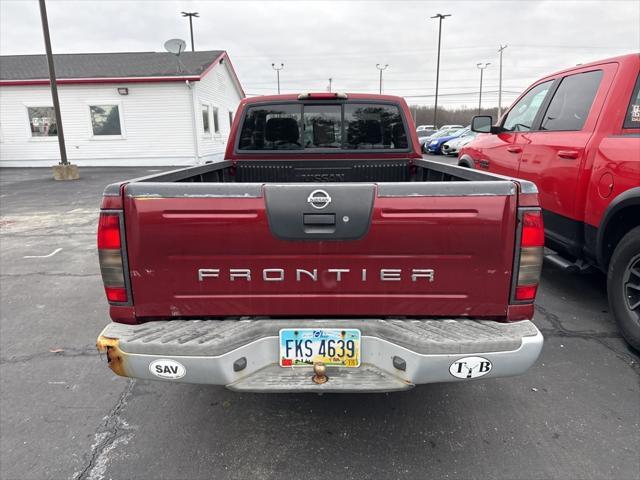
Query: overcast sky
[345, 39]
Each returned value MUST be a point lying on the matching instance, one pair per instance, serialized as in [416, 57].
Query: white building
[126, 109]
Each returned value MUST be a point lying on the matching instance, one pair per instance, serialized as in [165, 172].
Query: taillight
[531, 255]
[110, 255]
[109, 231]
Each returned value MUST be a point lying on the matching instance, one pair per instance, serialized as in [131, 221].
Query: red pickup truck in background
[576, 134]
[323, 254]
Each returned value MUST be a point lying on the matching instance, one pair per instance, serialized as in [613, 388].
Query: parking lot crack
[113, 431]
[559, 330]
[88, 351]
[50, 274]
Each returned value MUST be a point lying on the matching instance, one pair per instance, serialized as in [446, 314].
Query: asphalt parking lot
[64, 414]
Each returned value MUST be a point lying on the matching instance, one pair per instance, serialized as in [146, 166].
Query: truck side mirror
[482, 124]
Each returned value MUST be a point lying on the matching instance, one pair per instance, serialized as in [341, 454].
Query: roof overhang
[73, 81]
[222, 58]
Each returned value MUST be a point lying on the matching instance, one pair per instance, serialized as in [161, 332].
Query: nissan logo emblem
[319, 199]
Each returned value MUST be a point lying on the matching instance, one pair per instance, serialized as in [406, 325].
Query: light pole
[381, 68]
[440, 17]
[54, 85]
[191, 15]
[330, 80]
[481, 67]
[277, 69]
[502, 47]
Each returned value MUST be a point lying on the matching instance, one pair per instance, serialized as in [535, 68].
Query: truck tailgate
[406, 249]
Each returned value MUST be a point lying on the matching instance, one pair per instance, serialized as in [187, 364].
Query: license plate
[302, 347]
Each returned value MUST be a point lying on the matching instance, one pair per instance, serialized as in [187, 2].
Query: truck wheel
[623, 286]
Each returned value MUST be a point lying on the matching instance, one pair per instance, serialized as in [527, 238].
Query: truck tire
[465, 161]
[623, 286]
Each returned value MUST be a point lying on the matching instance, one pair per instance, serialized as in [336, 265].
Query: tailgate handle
[319, 219]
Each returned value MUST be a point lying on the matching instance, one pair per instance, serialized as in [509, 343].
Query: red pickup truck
[324, 254]
[576, 134]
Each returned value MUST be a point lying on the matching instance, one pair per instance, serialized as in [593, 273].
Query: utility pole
[63, 171]
[191, 15]
[440, 17]
[277, 69]
[502, 47]
[330, 80]
[481, 67]
[381, 68]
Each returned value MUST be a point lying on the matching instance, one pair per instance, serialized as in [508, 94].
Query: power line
[469, 94]
[369, 52]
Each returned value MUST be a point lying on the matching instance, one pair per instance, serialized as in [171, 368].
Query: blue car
[435, 145]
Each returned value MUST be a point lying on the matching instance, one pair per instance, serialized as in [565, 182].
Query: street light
[277, 69]
[191, 15]
[381, 68]
[502, 47]
[481, 67]
[440, 17]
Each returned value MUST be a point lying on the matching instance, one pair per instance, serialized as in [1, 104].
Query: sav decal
[166, 368]
[470, 367]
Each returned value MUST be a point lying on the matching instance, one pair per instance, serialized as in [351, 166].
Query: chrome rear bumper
[395, 354]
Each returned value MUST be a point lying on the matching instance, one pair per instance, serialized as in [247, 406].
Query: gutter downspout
[196, 148]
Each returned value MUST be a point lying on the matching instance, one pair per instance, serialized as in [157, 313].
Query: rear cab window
[632, 118]
[271, 127]
[323, 126]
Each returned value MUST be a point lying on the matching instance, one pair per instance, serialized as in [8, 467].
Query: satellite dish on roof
[175, 46]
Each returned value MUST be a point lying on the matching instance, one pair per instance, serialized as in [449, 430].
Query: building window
[230, 119]
[206, 127]
[105, 120]
[216, 123]
[42, 121]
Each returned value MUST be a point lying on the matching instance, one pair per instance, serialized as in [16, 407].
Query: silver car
[452, 147]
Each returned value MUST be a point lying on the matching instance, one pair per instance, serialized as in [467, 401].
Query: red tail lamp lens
[526, 292]
[532, 230]
[116, 294]
[109, 231]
